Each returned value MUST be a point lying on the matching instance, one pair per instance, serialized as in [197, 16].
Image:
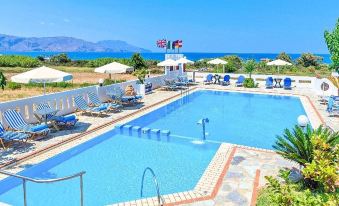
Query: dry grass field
[80, 76]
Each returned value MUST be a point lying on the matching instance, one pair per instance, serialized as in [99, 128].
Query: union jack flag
[161, 43]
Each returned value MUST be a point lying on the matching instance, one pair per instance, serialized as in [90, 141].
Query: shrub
[18, 61]
[285, 57]
[296, 145]
[321, 173]
[308, 59]
[60, 59]
[233, 63]
[249, 83]
[111, 81]
[13, 85]
[141, 74]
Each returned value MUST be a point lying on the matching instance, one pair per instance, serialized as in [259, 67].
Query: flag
[174, 43]
[169, 45]
[161, 43]
[179, 43]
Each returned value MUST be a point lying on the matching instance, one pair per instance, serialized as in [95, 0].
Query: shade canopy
[278, 62]
[217, 61]
[42, 75]
[114, 68]
[183, 60]
[167, 63]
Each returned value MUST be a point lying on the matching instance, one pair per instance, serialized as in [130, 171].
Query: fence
[63, 101]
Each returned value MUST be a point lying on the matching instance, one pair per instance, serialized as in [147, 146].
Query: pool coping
[211, 180]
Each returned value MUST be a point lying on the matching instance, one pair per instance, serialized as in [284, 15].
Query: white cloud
[42, 23]
[67, 20]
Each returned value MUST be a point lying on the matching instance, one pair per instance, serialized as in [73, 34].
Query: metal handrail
[160, 198]
[24, 179]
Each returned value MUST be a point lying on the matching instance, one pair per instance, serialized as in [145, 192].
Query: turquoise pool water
[114, 165]
[114, 162]
[240, 118]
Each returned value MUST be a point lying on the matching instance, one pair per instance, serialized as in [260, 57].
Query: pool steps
[138, 131]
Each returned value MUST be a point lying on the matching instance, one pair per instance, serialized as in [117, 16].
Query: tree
[60, 58]
[332, 41]
[3, 81]
[250, 67]
[285, 57]
[138, 62]
[233, 63]
[308, 59]
[297, 145]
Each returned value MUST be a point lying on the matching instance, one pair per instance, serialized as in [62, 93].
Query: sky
[235, 26]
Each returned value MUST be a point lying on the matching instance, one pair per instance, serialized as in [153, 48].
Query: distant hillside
[63, 44]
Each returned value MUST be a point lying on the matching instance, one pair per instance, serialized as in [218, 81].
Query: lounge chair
[209, 79]
[240, 81]
[269, 83]
[58, 121]
[170, 85]
[95, 101]
[287, 83]
[332, 107]
[83, 107]
[8, 137]
[226, 80]
[17, 123]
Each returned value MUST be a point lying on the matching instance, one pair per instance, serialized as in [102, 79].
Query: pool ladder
[25, 179]
[161, 200]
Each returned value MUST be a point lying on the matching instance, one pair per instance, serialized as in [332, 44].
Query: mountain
[63, 44]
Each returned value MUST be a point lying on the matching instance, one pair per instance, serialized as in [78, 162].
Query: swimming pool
[239, 118]
[114, 165]
[114, 161]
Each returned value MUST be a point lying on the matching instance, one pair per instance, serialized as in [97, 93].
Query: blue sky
[245, 26]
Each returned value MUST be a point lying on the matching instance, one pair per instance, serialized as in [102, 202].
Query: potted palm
[141, 75]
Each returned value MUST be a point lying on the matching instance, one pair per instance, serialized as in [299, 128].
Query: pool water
[239, 118]
[114, 162]
[114, 165]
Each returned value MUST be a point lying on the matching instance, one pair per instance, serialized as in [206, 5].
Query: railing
[161, 200]
[63, 101]
[24, 179]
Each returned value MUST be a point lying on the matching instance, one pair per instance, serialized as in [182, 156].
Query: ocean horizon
[194, 56]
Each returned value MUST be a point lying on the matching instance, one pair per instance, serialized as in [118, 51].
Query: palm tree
[2, 81]
[297, 146]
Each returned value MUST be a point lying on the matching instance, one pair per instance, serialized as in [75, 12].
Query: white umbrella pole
[223, 68]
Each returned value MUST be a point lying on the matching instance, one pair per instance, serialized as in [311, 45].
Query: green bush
[308, 59]
[60, 59]
[317, 150]
[111, 81]
[13, 85]
[234, 63]
[249, 83]
[18, 61]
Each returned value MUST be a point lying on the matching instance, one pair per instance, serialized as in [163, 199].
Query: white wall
[298, 81]
[63, 101]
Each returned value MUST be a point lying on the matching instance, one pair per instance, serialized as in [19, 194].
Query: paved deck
[243, 173]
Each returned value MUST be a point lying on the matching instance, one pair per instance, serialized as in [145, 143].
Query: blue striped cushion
[2, 129]
[45, 106]
[81, 103]
[94, 98]
[14, 119]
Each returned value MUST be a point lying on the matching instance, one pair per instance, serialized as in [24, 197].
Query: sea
[194, 56]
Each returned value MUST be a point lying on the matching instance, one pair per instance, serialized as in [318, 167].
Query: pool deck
[233, 176]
